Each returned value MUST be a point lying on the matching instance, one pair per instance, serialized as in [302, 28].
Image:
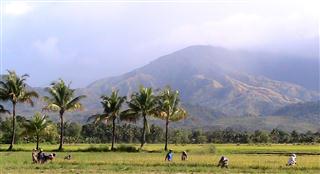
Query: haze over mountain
[217, 78]
[220, 87]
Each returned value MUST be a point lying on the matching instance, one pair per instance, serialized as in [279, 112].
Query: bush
[126, 148]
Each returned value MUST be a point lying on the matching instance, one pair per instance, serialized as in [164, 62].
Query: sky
[83, 41]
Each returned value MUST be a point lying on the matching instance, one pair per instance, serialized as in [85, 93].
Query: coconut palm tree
[37, 125]
[14, 89]
[3, 110]
[61, 100]
[169, 109]
[141, 105]
[112, 110]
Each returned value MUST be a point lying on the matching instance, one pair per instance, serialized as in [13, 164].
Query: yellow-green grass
[117, 162]
[195, 148]
[202, 159]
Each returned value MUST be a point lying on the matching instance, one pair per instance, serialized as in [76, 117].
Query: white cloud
[17, 8]
[243, 31]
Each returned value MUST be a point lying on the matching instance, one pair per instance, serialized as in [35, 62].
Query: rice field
[202, 159]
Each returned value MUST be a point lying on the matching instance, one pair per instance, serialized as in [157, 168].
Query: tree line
[92, 133]
[145, 103]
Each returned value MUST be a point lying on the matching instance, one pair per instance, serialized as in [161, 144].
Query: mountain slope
[307, 111]
[206, 76]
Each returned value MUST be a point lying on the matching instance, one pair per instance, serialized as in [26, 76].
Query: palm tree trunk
[143, 137]
[113, 133]
[167, 127]
[37, 142]
[13, 125]
[61, 130]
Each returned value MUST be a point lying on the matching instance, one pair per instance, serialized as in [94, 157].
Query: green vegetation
[61, 100]
[112, 106]
[36, 126]
[142, 104]
[14, 89]
[169, 109]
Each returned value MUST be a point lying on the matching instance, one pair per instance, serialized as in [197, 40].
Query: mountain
[209, 76]
[219, 88]
[306, 111]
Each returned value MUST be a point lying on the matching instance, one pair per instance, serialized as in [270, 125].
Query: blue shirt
[170, 156]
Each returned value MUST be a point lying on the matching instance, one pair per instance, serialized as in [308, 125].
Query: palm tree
[141, 104]
[36, 125]
[169, 109]
[3, 110]
[14, 89]
[61, 100]
[112, 106]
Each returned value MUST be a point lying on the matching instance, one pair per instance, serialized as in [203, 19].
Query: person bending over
[223, 162]
[169, 156]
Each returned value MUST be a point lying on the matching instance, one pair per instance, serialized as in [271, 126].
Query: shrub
[126, 148]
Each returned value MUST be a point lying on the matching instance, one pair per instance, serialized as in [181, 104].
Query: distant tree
[169, 109]
[14, 89]
[36, 126]
[197, 137]
[155, 135]
[274, 135]
[260, 137]
[214, 136]
[295, 138]
[307, 137]
[73, 129]
[229, 136]
[6, 129]
[242, 137]
[127, 133]
[141, 105]
[112, 109]
[62, 99]
[180, 136]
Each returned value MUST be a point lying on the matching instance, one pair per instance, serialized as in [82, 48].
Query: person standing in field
[169, 156]
[184, 156]
[34, 156]
[292, 160]
[223, 162]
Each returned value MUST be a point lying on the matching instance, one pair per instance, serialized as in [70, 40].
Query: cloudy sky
[83, 41]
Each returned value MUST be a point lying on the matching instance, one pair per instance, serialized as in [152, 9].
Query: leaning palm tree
[36, 126]
[169, 109]
[61, 100]
[141, 104]
[14, 89]
[112, 110]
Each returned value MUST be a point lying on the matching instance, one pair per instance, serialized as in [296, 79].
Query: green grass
[242, 160]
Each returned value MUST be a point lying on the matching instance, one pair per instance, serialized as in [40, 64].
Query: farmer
[34, 156]
[292, 160]
[169, 155]
[184, 156]
[41, 156]
[223, 162]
